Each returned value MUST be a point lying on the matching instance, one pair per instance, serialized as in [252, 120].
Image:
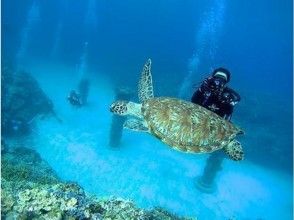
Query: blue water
[108, 41]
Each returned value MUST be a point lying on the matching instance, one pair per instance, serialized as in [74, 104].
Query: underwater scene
[147, 109]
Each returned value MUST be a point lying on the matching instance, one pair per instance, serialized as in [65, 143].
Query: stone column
[83, 89]
[118, 121]
[206, 183]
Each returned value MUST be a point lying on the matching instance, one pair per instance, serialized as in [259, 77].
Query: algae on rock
[31, 190]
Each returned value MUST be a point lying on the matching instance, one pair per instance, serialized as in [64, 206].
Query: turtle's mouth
[111, 109]
[115, 108]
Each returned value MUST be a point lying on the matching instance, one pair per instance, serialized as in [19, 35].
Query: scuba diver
[80, 98]
[214, 95]
[74, 99]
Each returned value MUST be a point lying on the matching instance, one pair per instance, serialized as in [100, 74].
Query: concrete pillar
[206, 183]
[118, 121]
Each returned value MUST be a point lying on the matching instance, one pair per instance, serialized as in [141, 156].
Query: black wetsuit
[215, 96]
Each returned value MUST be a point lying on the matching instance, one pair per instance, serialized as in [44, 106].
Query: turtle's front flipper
[234, 150]
[135, 125]
[145, 87]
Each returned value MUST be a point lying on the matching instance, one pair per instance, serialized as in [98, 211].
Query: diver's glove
[216, 85]
[228, 98]
[233, 103]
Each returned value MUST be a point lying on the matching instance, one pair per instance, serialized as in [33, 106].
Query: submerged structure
[117, 122]
[83, 89]
[206, 183]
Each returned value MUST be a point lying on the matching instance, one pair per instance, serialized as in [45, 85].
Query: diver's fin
[234, 150]
[135, 125]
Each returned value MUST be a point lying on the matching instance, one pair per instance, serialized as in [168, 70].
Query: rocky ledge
[31, 190]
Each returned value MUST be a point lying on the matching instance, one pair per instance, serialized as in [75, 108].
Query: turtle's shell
[186, 126]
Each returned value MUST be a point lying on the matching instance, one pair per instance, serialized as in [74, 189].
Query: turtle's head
[119, 107]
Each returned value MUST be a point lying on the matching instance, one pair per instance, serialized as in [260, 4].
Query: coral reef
[22, 101]
[31, 190]
[23, 164]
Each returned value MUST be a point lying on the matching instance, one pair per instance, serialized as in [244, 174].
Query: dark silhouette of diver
[80, 98]
[74, 99]
[214, 95]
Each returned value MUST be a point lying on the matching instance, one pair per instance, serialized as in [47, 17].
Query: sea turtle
[180, 124]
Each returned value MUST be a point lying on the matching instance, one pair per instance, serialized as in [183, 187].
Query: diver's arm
[231, 98]
[202, 94]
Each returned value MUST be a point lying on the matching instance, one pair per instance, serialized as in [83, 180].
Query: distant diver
[214, 95]
[180, 124]
[74, 99]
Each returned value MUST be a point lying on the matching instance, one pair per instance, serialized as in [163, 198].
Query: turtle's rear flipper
[135, 125]
[234, 150]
